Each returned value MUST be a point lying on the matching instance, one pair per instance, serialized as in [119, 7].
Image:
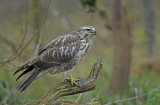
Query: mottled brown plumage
[61, 53]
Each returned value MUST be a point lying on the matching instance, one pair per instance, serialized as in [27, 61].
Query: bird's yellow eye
[94, 29]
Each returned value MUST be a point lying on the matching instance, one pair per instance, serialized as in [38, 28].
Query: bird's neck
[83, 36]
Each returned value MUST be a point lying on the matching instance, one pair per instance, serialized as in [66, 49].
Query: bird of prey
[61, 54]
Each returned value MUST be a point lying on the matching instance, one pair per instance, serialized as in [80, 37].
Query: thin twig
[4, 101]
[38, 45]
[15, 55]
[127, 99]
[79, 99]
[23, 37]
[139, 98]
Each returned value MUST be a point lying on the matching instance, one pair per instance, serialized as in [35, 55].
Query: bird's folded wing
[60, 49]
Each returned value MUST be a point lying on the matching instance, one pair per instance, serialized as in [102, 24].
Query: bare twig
[4, 101]
[24, 34]
[8, 99]
[63, 18]
[18, 52]
[38, 45]
[79, 99]
[65, 88]
[137, 94]
[5, 40]
[127, 99]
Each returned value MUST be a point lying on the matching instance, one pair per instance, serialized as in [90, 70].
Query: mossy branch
[66, 102]
[65, 88]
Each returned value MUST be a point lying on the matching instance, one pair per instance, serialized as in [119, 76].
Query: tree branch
[66, 102]
[65, 88]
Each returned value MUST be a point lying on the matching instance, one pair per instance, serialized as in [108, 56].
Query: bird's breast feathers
[84, 47]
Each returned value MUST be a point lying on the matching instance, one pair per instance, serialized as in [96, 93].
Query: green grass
[140, 79]
[143, 81]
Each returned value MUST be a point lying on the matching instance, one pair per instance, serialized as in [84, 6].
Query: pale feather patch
[61, 50]
[53, 54]
[56, 43]
[59, 39]
[66, 74]
[43, 72]
[66, 51]
[53, 70]
[73, 48]
[83, 49]
[64, 39]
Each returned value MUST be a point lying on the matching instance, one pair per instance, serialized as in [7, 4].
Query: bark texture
[65, 88]
[123, 48]
[149, 18]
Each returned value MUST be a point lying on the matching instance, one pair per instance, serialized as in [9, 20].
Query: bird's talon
[72, 80]
[66, 80]
[79, 79]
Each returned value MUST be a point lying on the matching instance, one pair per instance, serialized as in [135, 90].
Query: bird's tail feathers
[26, 71]
[28, 80]
[21, 68]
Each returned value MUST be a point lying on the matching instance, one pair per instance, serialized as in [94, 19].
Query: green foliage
[89, 5]
[154, 96]
[6, 95]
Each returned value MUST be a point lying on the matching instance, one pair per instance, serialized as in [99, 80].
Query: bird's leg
[66, 67]
[72, 80]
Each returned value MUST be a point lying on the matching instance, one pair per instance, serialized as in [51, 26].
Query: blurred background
[127, 36]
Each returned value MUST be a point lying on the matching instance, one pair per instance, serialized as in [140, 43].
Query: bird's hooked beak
[93, 31]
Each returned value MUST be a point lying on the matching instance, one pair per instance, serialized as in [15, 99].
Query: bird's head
[87, 31]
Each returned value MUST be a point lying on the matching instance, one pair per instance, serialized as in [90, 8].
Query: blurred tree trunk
[149, 18]
[123, 48]
[36, 22]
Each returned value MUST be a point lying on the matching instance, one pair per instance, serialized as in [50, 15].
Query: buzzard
[61, 54]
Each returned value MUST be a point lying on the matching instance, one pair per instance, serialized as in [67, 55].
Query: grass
[144, 82]
[141, 80]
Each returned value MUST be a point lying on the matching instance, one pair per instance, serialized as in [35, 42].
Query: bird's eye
[88, 29]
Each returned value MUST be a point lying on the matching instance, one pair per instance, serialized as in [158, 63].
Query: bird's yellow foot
[72, 80]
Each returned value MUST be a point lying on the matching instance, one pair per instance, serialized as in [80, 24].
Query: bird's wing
[60, 49]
